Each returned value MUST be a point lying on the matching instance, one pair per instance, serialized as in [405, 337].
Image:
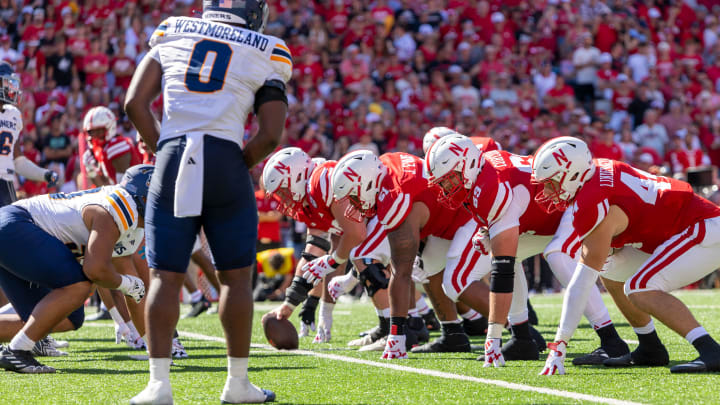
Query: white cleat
[377, 346]
[156, 393]
[363, 341]
[58, 344]
[323, 336]
[178, 350]
[305, 329]
[241, 391]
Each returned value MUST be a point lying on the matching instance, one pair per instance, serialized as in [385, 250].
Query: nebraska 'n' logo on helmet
[456, 149]
[560, 158]
[351, 174]
[282, 168]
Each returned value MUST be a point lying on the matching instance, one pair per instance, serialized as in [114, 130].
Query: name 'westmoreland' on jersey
[212, 72]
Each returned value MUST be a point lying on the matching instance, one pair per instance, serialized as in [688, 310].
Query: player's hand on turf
[51, 178]
[555, 363]
[341, 285]
[481, 241]
[315, 270]
[493, 355]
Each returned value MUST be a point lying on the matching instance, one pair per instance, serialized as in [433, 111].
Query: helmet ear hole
[575, 176]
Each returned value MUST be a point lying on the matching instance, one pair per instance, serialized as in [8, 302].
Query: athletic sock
[196, 296]
[647, 336]
[115, 315]
[21, 342]
[610, 341]
[471, 315]
[159, 369]
[132, 328]
[421, 306]
[521, 330]
[237, 367]
[397, 325]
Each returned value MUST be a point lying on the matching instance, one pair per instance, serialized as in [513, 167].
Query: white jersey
[10, 126]
[211, 72]
[60, 215]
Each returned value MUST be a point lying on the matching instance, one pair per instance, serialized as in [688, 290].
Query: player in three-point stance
[611, 206]
[212, 73]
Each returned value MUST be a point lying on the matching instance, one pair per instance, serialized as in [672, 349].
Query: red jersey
[405, 184]
[485, 144]
[107, 151]
[657, 207]
[316, 212]
[506, 178]
[267, 230]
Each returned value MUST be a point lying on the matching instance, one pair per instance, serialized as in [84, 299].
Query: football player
[497, 189]
[108, 155]
[213, 72]
[394, 186]
[662, 237]
[302, 189]
[100, 226]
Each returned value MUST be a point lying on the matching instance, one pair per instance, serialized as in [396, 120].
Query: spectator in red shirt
[123, 67]
[604, 146]
[96, 65]
[268, 222]
[560, 97]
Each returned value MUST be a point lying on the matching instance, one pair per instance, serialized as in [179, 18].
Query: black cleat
[518, 349]
[431, 321]
[100, 315]
[595, 358]
[539, 340]
[532, 315]
[446, 343]
[697, 366]
[655, 358]
[198, 308]
[417, 326]
[22, 361]
[373, 330]
[476, 327]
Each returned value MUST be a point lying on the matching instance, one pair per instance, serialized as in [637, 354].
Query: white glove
[342, 285]
[132, 287]
[419, 275]
[395, 348]
[91, 165]
[555, 363]
[493, 355]
[481, 241]
[121, 331]
[315, 270]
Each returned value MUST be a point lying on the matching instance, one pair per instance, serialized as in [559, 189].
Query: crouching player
[48, 289]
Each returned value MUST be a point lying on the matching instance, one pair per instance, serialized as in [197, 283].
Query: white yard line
[432, 373]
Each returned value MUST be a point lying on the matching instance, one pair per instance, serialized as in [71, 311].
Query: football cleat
[369, 331]
[239, 390]
[555, 363]
[305, 329]
[697, 366]
[100, 315]
[518, 349]
[641, 357]
[322, 336]
[446, 343]
[475, 327]
[417, 326]
[395, 348]
[539, 340]
[156, 392]
[58, 344]
[532, 315]
[595, 358]
[363, 341]
[43, 347]
[178, 350]
[493, 353]
[376, 346]
[198, 308]
[22, 361]
[431, 321]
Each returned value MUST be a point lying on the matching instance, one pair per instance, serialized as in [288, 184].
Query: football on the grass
[280, 333]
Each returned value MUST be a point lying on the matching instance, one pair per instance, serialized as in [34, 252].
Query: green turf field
[99, 372]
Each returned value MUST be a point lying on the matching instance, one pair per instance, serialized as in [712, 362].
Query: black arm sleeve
[272, 90]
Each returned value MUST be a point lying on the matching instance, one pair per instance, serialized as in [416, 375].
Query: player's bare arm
[354, 233]
[404, 244]
[271, 116]
[144, 89]
[103, 235]
[596, 246]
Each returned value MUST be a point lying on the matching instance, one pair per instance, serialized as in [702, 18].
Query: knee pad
[77, 318]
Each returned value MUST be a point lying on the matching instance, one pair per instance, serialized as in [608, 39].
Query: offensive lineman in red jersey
[497, 189]
[108, 156]
[395, 186]
[662, 235]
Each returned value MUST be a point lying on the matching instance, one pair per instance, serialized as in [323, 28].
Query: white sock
[132, 328]
[159, 369]
[237, 367]
[21, 342]
[196, 296]
[385, 313]
[691, 336]
[471, 315]
[103, 307]
[602, 321]
[644, 330]
[326, 310]
[413, 313]
[448, 322]
[421, 306]
[115, 315]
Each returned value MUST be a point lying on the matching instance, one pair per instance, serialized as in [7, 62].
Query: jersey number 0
[197, 77]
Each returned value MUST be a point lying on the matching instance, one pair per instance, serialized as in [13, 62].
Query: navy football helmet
[252, 14]
[136, 181]
[9, 84]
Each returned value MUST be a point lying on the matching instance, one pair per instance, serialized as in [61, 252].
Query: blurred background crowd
[638, 80]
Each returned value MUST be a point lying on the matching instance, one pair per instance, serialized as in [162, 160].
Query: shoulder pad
[281, 60]
[14, 114]
[160, 32]
[122, 208]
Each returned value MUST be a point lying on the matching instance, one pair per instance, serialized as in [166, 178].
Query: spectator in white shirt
[651, 133]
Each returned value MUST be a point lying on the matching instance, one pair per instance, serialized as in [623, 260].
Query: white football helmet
[453, 163]
[433, 135]
[357, 178]
[101, 117]
[565, 163]
[286, 175]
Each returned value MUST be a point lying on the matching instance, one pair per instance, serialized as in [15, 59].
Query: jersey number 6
[6, 141]
[197, 77]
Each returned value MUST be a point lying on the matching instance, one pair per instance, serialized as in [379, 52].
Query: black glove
[373, 278]
[51, 178]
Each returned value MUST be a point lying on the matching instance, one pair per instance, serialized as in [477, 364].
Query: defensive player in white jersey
[101, 226]
[212, 72]
[11, 158]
